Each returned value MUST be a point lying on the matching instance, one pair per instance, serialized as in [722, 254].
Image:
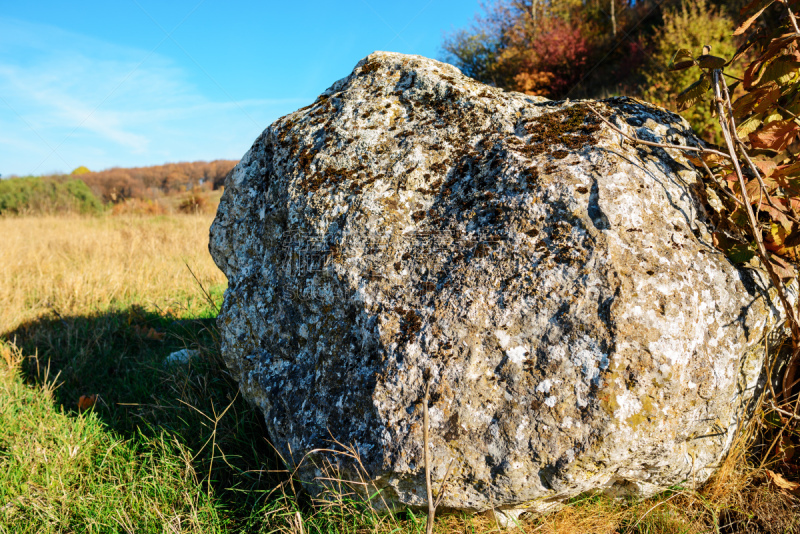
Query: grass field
[97, 434]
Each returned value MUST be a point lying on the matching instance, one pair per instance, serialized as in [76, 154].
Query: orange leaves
[779, 62]
[767, 167]
[757, 101]
[789, 173]
[86, 402]
[776, 135]
[149, 333]
[754, 10]
[782, 483]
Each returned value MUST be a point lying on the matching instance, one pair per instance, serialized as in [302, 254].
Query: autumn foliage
[555, 48]
[149, 183]
[554, 62]
[764, 128]
[593, 48]
[756, 176]
[156, 190]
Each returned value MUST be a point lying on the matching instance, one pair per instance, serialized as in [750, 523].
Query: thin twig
[444, 485]
[660, 145]
[743, 151]
[794, 116]
[760, 249]
[432, 504]
[770, 366]
[425, 444]
[784, 412]
[792, 17]
[680, 147]
[721, 187]
[734, 77]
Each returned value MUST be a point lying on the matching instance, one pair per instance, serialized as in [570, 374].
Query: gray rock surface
[580, 329]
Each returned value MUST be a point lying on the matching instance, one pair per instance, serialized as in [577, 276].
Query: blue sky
[139, 82]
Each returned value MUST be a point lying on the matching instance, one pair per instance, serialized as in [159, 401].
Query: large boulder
[559, 285]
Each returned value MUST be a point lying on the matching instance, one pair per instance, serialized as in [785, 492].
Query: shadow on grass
[121, 356]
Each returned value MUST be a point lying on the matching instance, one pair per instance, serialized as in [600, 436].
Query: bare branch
[660, 145]
[791, 367]
[792, 18]
[432, 504]
[743, 151]
[721, 186]
[784, 412]
[444, 485]
[679, 147]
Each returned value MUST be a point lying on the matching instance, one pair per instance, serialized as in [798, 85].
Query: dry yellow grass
[73, 265]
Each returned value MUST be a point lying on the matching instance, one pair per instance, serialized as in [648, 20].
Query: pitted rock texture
[580, 330]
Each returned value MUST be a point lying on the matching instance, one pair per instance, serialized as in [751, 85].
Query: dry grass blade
[432, 504]
[426, 455]
[209, 299]
[213, 438]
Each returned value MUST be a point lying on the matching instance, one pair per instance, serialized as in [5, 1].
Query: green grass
[95, 306]
[33, 194]
[162, 445]
[165, 448]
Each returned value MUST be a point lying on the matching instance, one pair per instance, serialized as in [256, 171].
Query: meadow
[98, 433]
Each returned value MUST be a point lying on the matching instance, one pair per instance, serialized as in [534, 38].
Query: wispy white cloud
[100, 104]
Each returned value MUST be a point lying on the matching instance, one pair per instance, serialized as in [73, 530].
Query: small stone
[180, 357]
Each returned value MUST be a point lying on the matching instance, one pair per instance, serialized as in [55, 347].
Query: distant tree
[553, 47]
[149, 183]
[553, 62]
[80, 170]
[47, 195]
[691, 25]
[475, 55]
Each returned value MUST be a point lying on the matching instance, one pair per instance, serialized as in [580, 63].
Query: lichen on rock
[560, 285]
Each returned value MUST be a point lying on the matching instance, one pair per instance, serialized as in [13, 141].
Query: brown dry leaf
[767, 98]
[786, 448]
[765, 166]
[707, 61]
[792, 169]
[153, 334]
[782, 483]
[149, 333]
[86, 402]
[755, 8]
[682, 60]
[775, 135]
[694, 93]
[778, 215]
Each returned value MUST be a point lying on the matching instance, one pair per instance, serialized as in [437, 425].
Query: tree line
[119, 184]
[171, 188]
[596, 48]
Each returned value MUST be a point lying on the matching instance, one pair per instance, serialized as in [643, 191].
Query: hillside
[187, 187]
[150, 183]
